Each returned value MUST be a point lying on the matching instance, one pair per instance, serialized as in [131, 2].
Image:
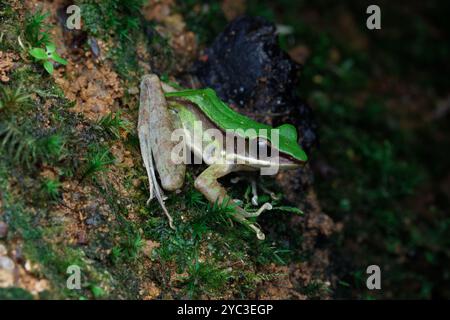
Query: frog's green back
[228, 119]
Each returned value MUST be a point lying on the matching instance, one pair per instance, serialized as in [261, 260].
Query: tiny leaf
[97, 292]
[39, 53]
[50, 47]
[58, 59]
[48, 66]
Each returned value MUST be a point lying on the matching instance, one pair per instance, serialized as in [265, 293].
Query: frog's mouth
[283, 159]
[286, 160]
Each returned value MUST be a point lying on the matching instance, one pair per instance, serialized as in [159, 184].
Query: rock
[40, 286]
[3, 230]
[6, 263]
[95, 48]
[3, 251]
[6, 272]
[6, 279]
[267, 80]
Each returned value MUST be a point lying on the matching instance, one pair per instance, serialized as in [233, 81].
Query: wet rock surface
[247, 68]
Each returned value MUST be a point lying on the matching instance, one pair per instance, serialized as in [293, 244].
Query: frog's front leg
[155, 128]
[208, 185]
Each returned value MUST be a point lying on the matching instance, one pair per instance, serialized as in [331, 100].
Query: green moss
[15, 294]
[36, 29]
[98, 159]
[204, 18]
[121, 22]
[113, 124]
[377, 164]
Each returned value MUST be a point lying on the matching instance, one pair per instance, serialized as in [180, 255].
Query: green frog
[173, 124]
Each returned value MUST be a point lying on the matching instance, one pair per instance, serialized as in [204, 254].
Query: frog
[166, 108]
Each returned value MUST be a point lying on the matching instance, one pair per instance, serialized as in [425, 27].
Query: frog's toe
[255, 200]
[239, 202]
[259, 234]
[255, 193]
[171, 224]
[265, 206]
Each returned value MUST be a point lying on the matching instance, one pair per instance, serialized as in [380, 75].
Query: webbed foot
[208, 185]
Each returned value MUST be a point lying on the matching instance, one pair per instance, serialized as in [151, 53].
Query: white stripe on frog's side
[213, 146]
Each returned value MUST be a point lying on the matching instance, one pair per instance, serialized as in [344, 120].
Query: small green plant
[37, 36]
[132, 246]
[220, 211]
[47, 56]
[205, 277]
[113, 124]
[129, 247]
[97, 291]
[54, 146]
[12, 98]
[51, 188]
[25, 148]
[221, 208]
[36, 30]
[98, 160]
[194, 199]
[116, 254]
[22, 147]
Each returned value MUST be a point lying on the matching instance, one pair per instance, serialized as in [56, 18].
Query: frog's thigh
[156, 127]
[207, 182]
[208, 185]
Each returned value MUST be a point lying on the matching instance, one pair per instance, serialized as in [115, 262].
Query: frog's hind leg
[208, 185]
[154, 187]
[155, 128]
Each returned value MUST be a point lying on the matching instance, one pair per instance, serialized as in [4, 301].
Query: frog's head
[285, 152]
[291, 154]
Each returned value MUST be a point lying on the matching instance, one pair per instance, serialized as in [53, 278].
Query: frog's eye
[288, 131]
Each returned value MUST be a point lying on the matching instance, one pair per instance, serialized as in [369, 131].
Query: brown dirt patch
[94, 87]
[7, 60]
